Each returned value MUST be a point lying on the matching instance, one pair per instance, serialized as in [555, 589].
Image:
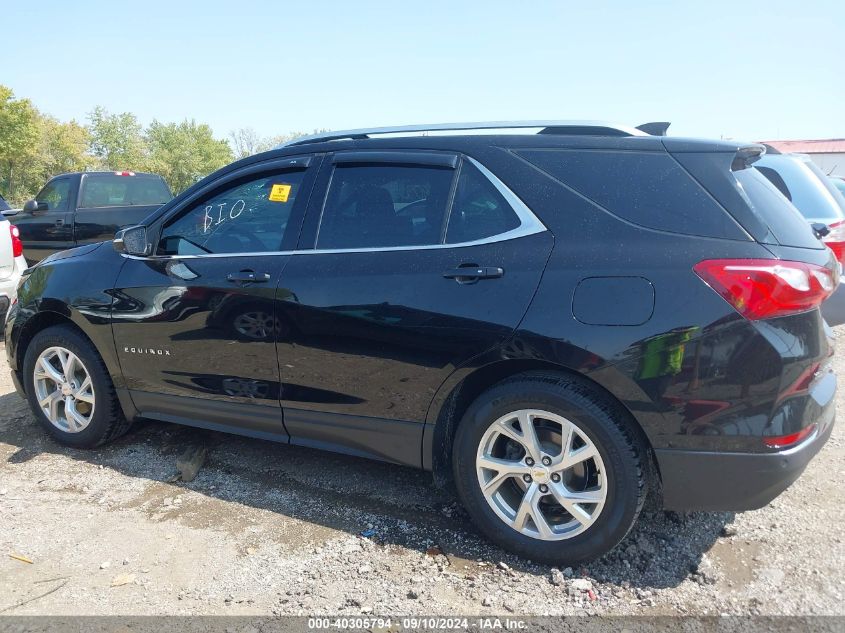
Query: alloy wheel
[541, 474]
[64, 389]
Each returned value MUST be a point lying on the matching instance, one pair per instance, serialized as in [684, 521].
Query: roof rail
[595, 128]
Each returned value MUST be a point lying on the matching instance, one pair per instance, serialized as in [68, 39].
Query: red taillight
[782, 441]
[124, 173]
[766, 288]
[835, 240]
[17, 245]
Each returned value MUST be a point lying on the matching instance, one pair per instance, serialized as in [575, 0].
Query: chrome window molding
[529, 224]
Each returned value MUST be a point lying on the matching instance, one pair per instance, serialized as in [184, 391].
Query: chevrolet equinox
[555, 318]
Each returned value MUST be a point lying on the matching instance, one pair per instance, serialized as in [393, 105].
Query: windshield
[112, 190]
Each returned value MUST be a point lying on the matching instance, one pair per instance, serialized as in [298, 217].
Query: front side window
[55, 195]
[248, 216]
[111, 190]
[370, 206]
[479, 210]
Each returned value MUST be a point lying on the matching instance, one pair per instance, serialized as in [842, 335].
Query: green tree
[185, 152]
[117, 140]
[63, 147]
[19, 135]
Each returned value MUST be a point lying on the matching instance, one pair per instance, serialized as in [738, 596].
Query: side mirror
[31, 206]
[132, 241]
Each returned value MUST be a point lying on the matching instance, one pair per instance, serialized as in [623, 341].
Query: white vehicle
[12, 262]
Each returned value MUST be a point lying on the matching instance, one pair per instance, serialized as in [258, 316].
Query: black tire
[606, 425]
[108, 422]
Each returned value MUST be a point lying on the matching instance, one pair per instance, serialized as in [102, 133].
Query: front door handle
[470, 274]
[247, 276]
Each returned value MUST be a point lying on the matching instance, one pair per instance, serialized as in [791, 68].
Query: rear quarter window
[649, 189]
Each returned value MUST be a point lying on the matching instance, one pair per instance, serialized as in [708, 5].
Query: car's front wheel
[548, 468]
[69, 389]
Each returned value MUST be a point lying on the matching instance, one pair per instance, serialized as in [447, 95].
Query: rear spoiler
[655, 128]
[747, 155]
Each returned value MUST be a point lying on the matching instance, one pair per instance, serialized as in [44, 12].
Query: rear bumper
[697, 480]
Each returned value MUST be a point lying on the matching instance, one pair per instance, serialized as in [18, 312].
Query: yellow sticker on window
[279, 193]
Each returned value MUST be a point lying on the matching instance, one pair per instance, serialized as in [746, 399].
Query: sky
[745, 70]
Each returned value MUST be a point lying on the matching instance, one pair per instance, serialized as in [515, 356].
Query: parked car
[811, 191]
[12, 262]
[480, 305]
[87, 207]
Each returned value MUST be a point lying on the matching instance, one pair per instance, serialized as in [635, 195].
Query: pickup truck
[86, 207]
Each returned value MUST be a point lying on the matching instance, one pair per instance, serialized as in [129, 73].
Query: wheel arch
[36, 323]
[443, 420]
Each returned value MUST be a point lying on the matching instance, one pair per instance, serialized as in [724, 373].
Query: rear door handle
[246, 276]
[474, 273]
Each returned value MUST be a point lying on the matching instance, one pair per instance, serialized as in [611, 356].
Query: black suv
[555, 321]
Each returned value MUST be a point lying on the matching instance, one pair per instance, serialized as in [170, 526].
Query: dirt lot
[271, 529]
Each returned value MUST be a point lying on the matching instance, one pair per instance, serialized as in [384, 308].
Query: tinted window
[776, 180]
[109, 190]
[826, 183]
[649, 189]
[248, 217]
[785, 222]
[370, 206]
[807, 189]
[479, 210]
[4, 206]
[55, 194]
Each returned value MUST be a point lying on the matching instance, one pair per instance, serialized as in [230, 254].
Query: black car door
[411, 264]
[49, 228]
[195, 324]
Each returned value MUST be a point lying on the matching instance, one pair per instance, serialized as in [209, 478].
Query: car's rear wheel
[69, 389]
[548, 467]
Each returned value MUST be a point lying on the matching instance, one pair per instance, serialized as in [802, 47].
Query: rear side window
[250, 216]
[648, 189]
[111, 190]
[479, 210]
[4, 206]
[370, 206]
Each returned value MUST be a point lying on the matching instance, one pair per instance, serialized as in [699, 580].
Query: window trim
[530, 224]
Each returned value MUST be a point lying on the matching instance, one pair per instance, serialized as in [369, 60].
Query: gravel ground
[272, 529]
